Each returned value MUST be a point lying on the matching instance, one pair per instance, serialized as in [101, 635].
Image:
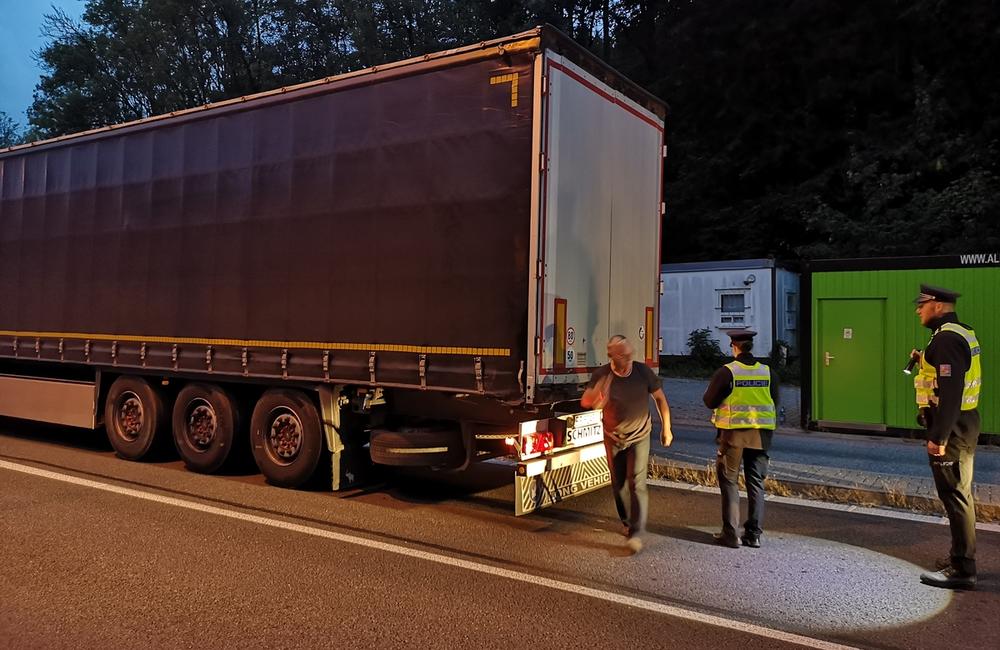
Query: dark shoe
[725, 540]
[626, 530]
[942, 563]
[949, 578]
[753, 541]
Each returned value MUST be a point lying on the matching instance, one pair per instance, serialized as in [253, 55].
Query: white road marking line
[826, 505]
[597, 594]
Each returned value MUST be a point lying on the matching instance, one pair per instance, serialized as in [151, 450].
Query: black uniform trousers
[727, 469]
[953, 479]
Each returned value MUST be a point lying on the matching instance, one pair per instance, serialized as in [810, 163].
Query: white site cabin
[756, 294]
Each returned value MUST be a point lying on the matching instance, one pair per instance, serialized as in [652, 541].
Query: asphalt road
[100, 552]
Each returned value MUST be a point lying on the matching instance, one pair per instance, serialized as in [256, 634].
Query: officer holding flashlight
[947, 387]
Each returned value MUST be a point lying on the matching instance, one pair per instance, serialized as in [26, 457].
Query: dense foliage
[704, 349]
[9, 132]
[799, 128]
[825, 128]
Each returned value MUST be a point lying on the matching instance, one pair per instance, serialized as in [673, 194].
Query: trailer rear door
[598, 225]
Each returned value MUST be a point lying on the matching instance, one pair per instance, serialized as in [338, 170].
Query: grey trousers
[727, 469]
[629, 466]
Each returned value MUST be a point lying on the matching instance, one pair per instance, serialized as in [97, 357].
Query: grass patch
[704, 476]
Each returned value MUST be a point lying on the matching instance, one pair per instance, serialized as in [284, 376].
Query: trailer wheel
[206, 423]
[135, 417]
[417, 447]
[286, 437]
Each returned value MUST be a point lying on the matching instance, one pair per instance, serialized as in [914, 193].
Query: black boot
[949, 578]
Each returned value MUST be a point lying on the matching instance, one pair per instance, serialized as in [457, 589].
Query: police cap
[741, 335]
[937, 294]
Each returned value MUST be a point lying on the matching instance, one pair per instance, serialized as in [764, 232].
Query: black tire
[286, 437]
[417, 448]
[206, 426]
[135, 417]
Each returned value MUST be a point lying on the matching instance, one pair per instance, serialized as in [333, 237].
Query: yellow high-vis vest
[749, 406]
[926, 380]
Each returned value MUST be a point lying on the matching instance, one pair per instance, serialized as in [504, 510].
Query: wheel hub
[202, 424]
[285, 437]
[130, 416]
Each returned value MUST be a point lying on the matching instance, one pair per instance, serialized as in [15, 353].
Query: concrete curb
[859, 495]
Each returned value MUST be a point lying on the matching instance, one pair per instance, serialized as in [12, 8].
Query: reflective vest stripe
[925, 383]
[749, 406]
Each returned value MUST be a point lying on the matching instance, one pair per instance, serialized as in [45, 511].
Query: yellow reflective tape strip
[650, 338]
[422, 450]
[512, 80]
[559, 334]
[299, 345]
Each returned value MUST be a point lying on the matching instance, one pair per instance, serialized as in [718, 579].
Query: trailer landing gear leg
[350, 463]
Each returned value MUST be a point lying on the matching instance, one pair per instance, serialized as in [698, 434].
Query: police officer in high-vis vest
[947, 390]
[744, 397]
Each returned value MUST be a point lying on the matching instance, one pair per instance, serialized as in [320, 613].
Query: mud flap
[541, 482]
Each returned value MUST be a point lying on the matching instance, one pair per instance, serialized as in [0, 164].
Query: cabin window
[732, 309]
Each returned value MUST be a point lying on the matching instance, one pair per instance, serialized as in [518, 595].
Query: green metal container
[863, 325]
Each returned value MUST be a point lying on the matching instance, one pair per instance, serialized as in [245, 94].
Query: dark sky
[20, 38]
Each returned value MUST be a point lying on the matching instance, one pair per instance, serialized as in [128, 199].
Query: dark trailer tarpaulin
[372, 228]
[414, 265]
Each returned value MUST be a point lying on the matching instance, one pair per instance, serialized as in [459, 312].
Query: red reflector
[537, 443]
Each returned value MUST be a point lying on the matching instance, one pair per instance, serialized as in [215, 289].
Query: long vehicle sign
[541, 482]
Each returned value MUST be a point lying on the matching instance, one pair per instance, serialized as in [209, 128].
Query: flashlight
[908, 370]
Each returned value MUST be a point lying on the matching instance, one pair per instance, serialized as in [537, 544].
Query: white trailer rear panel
[598, 225]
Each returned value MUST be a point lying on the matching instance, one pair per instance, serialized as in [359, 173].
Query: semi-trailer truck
[415, 264]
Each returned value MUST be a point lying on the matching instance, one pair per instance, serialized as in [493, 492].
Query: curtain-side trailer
[413, 264]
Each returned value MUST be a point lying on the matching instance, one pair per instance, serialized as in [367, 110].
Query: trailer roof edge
[532, 40]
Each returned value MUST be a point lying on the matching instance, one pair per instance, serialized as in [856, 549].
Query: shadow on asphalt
[594, 520]
[56, 434]
[988, 583]
[417, 486]
[428, 486]
[96, 440]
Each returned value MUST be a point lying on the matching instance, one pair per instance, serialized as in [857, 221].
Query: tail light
[536, 443]
[536, 437]
[532, 444]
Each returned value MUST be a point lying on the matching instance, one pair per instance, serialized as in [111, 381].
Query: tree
[826, 129]
[128, 60]
[10, 133]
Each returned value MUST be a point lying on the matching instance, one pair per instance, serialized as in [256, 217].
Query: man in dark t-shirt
[622, 388]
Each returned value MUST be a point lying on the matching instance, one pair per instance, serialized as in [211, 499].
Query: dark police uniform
[951, 377]
[741, 445]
